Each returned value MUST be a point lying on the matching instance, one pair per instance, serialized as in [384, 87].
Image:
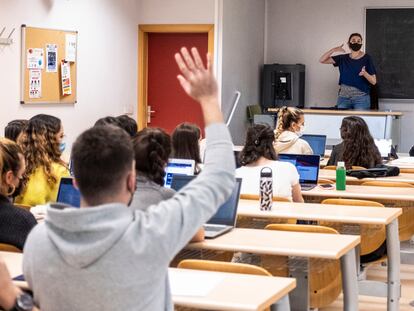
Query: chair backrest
[325, 181]
[23, 206]
[210, 265]
[372, 236]
[9, 248]
[407, 170]
[352, 202]
[246, 196]
[387, 184]
[252, 110]
[354, 167]
[324, 275]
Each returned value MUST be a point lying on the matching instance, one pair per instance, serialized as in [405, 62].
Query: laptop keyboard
[307, 187]
[213, 228]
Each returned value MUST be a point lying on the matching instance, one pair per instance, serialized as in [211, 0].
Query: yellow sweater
[38, 191]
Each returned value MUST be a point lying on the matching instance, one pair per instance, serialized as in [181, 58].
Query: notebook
[317, 143]
[67, 193]
[225, 218]
[307, 167]
[178, 166]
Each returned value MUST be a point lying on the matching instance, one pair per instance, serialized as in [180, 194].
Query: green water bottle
[340, 176]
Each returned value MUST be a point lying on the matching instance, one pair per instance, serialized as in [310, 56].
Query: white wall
[300, 31]
[107, 58]
[242, 59]
[176, 11]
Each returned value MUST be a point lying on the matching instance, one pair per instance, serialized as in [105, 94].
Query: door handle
[149, 112]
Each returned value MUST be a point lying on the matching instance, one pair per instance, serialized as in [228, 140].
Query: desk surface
[347, 112]
[285, 243]
[223, 296]
[403, 177]
[316, 211]
[364, 192]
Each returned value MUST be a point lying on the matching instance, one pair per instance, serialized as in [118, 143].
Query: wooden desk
[403, 177]
[308, 245]
[233, 292]
[364, 192]
[344, 214]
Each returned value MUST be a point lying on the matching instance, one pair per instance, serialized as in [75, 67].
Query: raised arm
[175, 221]
[371, 78]
[326, 57]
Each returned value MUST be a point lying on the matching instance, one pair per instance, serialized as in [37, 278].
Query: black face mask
[355, 46]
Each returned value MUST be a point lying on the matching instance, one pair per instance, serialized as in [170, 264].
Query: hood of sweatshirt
[82, 236]
[286, 140]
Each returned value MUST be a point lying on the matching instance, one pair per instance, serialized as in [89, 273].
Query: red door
[168, 102]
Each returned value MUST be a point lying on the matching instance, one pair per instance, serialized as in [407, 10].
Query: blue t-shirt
[349, 70]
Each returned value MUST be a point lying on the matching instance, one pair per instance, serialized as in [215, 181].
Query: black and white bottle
[266, 189]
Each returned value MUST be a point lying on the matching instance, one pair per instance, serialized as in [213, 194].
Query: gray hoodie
[111, 258]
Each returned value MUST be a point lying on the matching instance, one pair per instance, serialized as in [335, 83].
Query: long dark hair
[259, 143]
[359, 147]
[185, 142]
[152, 147]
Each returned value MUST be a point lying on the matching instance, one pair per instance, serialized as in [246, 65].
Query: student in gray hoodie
[103, 256]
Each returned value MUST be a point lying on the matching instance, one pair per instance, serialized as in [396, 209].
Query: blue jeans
[354, 102]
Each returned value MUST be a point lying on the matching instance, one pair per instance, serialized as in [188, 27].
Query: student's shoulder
[283, 166]
[60, 169]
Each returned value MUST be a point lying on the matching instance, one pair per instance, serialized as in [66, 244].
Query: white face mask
[301, 130]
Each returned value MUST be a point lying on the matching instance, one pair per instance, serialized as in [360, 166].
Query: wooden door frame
[143, 31]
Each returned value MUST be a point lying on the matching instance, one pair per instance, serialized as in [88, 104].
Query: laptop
[225, 218]
[384, 147]
[178, 167]
[307, 166]
[317, 143]
[67, 193]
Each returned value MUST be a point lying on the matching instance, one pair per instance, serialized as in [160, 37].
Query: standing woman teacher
[357, 74]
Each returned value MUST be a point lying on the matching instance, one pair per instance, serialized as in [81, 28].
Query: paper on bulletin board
[51, 57]
[70, 55]
[35, 58]
[35, 83]
[66, 82]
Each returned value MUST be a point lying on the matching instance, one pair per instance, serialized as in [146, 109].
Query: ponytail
[285, 117]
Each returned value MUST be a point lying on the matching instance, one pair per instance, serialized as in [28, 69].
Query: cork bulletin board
[45, 54]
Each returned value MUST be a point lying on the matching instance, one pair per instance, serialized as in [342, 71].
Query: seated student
[11, 297]
[185, 142]
[14, 128]
[42, 144]
[15, 222]
[108, 121]
[411, 153]
[103, 256]
[128, 124]
[152, 148]
[258, 152]
[290, 127]
[357, 147]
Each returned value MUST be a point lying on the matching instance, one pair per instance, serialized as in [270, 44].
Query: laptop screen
[227, 213]
[179, 167]
[384, 147]
[68, 194]
[317, 143]
[306, 165]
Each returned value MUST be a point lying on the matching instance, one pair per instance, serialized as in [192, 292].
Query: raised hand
[199, 83]
[196, 80]
[339, 48]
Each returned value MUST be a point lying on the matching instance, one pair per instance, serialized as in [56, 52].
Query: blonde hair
[285, 117]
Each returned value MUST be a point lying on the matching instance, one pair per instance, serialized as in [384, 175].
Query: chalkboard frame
[382, 99]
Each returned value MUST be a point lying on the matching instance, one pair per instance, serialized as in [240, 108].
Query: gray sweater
[111, 258]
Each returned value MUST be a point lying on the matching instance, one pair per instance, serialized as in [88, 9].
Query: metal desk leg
[349, 281]
[281, 305]
[299, 297]
[393, 254]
